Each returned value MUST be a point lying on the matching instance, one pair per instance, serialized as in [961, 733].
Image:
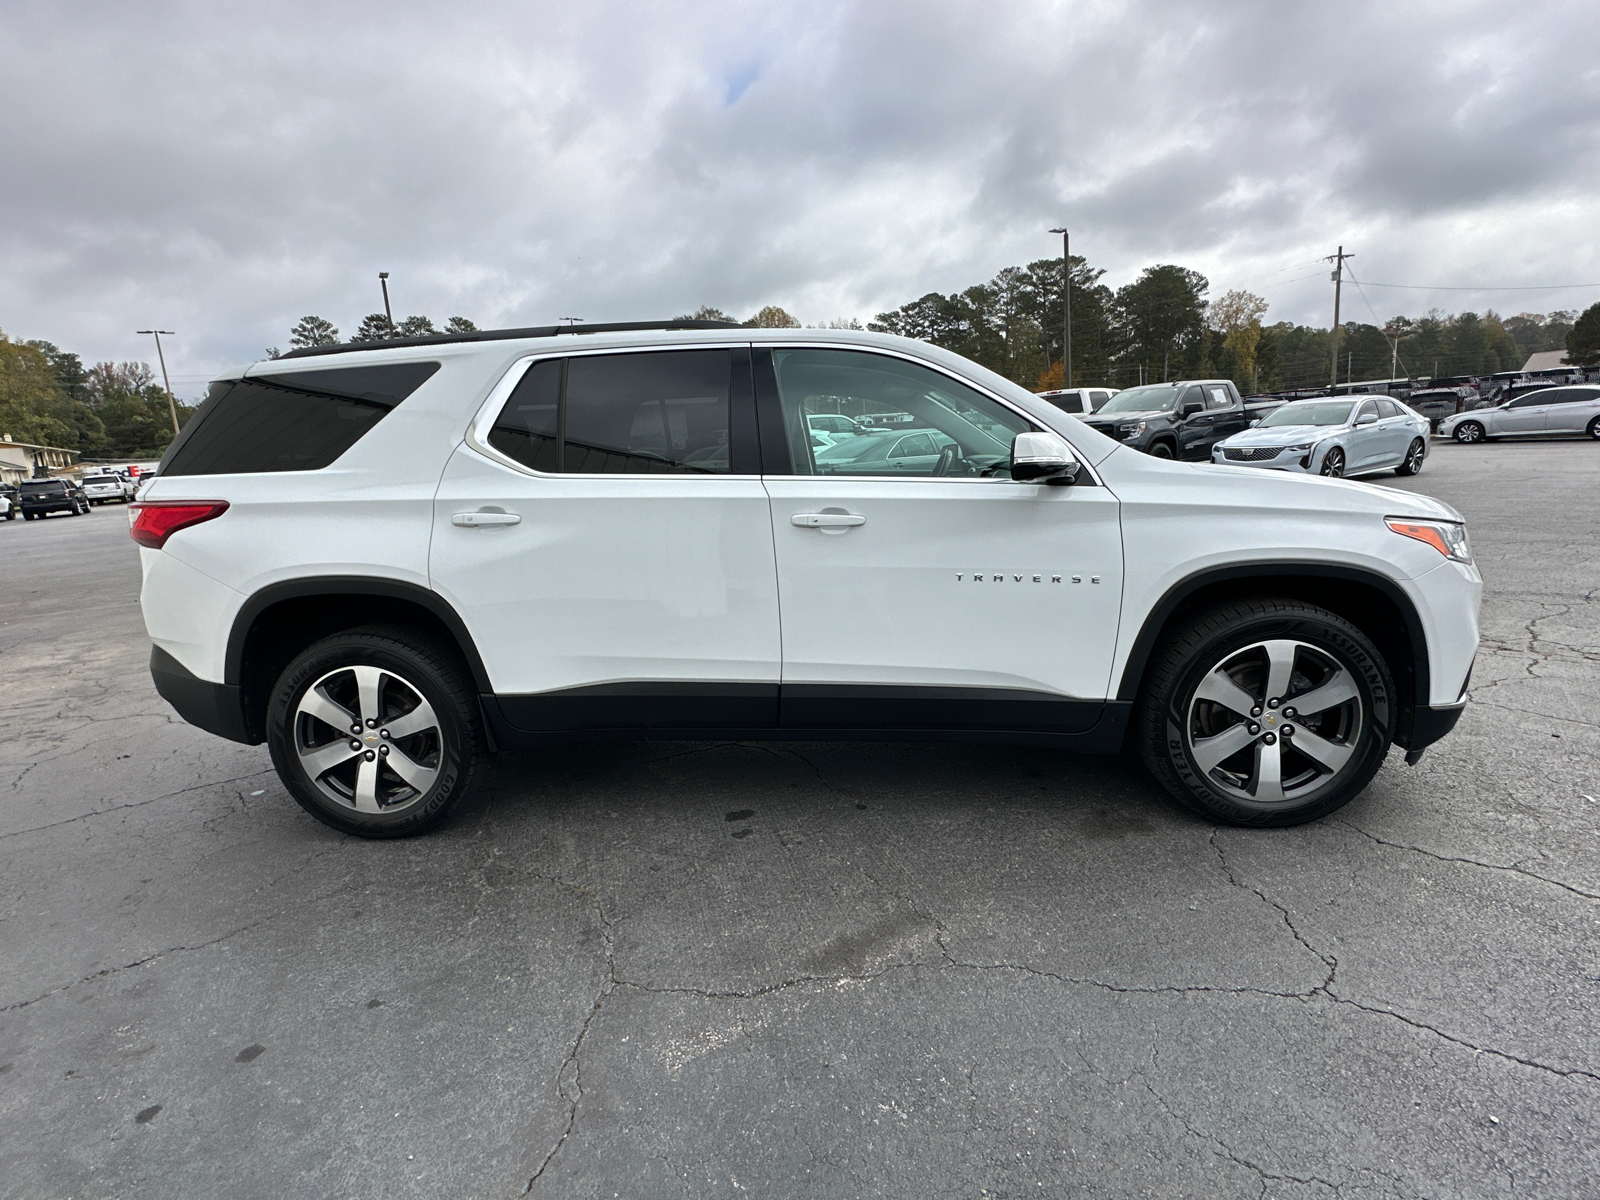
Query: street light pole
[1066, 308]
[383, 280]
[172, 405]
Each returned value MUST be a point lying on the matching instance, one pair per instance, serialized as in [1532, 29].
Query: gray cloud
[202, 167]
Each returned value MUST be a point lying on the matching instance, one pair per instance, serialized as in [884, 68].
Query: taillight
[152, 522]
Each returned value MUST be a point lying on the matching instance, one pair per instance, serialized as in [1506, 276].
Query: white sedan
[1334, 437]
[1549, 412]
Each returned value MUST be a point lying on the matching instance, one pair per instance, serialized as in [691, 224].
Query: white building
[24, 460]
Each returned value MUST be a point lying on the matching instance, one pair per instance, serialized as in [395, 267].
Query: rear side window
[661, 412]
[299, 421]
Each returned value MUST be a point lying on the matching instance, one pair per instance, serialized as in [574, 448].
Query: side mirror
[1043, 458]
[1193, 408]
[1367, 419]
[1254, 423]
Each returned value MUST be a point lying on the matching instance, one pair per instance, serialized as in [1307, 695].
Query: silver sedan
[1334, 436]
[1549, 412]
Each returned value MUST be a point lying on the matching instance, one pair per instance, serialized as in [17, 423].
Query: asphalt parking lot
[805, 969]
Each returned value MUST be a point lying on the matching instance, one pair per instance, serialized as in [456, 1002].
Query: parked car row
[1548, 412]
[35, 498]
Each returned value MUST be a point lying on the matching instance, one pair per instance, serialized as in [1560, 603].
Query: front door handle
[477, 520]
[826, 520]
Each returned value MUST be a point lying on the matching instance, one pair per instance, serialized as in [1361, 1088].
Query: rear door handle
[476, 520]
[826, 520]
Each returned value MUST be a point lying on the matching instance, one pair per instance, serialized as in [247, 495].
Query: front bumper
[1301, 462]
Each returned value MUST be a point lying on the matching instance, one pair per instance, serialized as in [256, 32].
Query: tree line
[1162, 325]
[374, 327]
[110, 410]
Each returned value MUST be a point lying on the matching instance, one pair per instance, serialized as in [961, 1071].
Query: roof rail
[504, 335]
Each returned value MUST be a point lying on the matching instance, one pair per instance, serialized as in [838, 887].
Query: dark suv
[41, 497]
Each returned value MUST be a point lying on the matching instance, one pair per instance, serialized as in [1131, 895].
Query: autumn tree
[772, 317]
[1237, 317]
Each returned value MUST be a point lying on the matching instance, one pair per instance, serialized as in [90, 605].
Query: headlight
[1132, 428]
[1449, 538]
[1303, 446]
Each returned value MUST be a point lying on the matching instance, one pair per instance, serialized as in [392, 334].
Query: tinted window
[1570, 395]
[296, 421]
[1193, 397]
[47, 488]
[883, 391]
[645, 414]
[1388, 408]
[1533, 398]
[526, 428]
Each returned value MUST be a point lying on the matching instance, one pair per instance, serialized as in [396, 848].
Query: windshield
[1151, 398]
[1311, 412]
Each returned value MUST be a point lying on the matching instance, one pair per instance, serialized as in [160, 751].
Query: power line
[1543, 287]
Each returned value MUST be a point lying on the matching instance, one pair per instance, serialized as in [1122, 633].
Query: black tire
[413, 667]
[1333, 463]
[1161, 450]
[1174, 725]
[1468, 433]
[1412, 463]
[1594, 429]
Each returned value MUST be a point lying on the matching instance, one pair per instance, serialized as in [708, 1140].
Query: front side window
[652, 413]
[909, 420]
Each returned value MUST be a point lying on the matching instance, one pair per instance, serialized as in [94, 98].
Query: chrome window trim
[477, 437]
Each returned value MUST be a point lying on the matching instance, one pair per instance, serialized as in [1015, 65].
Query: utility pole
[383, 280]
[1349, 367]
[172, 405]
[1338, 282]
[1066, 308]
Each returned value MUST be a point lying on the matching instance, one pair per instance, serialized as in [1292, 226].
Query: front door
[955, 598]
[1524, 415]
[605, 536]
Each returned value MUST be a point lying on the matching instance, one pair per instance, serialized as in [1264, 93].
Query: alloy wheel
[1333, 463]
[1469, 432]
[1274, 721]
[368, 739]
[1413, 463]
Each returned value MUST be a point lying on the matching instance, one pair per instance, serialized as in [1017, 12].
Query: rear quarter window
[295, 421]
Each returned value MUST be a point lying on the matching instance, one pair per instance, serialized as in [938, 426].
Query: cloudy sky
[223, 169]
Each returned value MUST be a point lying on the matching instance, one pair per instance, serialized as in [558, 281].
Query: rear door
[604, 534]
[1397, 431]
[1569, 410]
[960, 600]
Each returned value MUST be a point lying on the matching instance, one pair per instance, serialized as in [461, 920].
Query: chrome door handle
[476, 520]
[826, 520]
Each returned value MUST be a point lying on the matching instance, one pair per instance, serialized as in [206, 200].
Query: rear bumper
[215, 707]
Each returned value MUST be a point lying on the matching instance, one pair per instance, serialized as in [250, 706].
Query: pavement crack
[1534, 1064]
[1511, 869]
[1328, 960]
[101, 812]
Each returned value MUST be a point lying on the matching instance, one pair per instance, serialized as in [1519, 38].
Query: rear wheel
[1266, 712]
[1468, 432]
[1333, 463]
[1412, 463]
[377, 731]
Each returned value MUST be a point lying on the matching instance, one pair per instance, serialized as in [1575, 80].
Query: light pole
[1066, 308]
[571, 321]
[172, 405]
[383, 281]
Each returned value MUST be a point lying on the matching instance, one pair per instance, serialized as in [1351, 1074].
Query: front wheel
[1412, 463]
[1266, 712]
[1161, 450]
[1468, 433]
[1594, 429]
[377, 731]
[1333, 463]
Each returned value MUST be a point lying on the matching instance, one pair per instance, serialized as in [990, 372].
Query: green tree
[375, 327]
[28, 394]
[415, 327]
[313, 331]
[1237, 317]
[459, 325]
[706, 313]
[1162, 319]
[1583, 342]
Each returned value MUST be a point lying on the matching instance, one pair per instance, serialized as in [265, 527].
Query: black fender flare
[1159, 615]
[349, 585]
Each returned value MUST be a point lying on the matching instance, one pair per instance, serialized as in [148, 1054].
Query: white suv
[389, 563]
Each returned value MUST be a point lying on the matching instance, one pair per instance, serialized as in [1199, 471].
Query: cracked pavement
[805, 969]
